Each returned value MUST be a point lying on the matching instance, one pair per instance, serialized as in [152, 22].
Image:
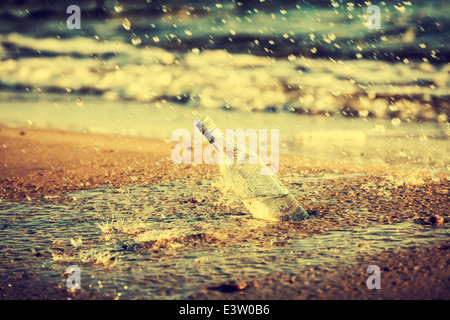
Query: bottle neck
[209, 129]
[228, 149]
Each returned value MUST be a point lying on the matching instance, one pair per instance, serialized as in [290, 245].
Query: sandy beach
[38, 166]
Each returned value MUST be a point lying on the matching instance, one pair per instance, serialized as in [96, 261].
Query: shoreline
[41, 163]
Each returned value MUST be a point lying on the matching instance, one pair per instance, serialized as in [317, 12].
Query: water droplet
[393, 108]
[400, 7]
[363, 113]
[396, 122]
[423, 137]
[126, 24]
[136, 41]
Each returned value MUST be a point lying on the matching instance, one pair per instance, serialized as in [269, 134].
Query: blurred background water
[334, 87]
[305, 57]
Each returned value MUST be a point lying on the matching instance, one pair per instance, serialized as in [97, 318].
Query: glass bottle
[254, 183]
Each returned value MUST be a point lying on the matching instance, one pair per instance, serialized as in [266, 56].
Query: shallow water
[172, 240]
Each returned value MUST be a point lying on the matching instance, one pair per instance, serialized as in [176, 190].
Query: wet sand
[39, 164]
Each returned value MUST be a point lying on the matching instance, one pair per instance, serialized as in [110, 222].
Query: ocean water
[302, 57]
[335, 89]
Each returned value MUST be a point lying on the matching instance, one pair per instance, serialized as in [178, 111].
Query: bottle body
[262, 194]
[252, 181]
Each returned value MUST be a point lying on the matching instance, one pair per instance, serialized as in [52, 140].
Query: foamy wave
[218, 79]
[88, 47]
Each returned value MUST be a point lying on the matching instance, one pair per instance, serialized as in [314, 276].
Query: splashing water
[172, 240]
